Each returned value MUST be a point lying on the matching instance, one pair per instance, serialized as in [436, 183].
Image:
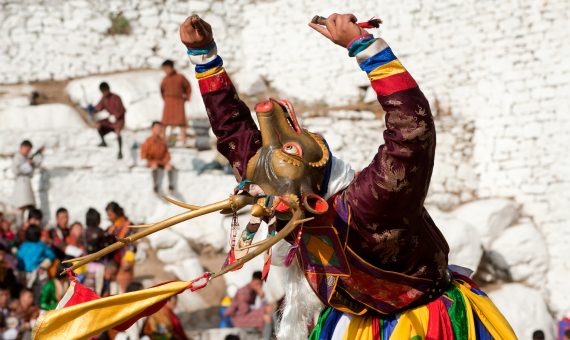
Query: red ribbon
[206, 276]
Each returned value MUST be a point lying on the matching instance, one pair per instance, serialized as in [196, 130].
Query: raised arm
[238, 136]
[396, 181]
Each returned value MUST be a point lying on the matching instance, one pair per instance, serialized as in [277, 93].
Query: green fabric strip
[381, 331]
[458, 314]
[316, 333]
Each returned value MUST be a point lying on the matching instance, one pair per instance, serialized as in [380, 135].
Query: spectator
[6, 231]
[54, 290]
[24, 164]
[175, 90]
[4, 301]
[567, 334]
[8, 280]
[119, 222]
[32, 253]
[155, 151]
[538, 335]
[126, 272]
[59, 233]
[25, 311]
[244, 315]
[165, 324]
[74, 241]
[11, 332]
[95, 239]
[116, 120]
[35, 217]
[110, 286]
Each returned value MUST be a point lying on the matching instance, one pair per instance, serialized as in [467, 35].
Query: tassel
[372, 23]
[231, 258]
[266, 265]
[290, 255]
[293, 250]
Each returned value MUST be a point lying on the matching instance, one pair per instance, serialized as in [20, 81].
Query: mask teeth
[288, 159]
[324, 149]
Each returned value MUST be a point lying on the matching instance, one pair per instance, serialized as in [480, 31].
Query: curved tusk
[75, 259]
[140, 226]
[259, 243]
[181, 204]
[297, 215]
[234, 202]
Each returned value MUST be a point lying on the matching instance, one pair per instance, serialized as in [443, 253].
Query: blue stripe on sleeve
[383, 57]
[209, 65]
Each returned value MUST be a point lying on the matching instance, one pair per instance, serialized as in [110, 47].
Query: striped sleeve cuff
[387, 75]
[213, 67]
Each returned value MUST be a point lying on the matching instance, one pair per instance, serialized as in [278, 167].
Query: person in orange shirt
[175, 90]
[155, 151]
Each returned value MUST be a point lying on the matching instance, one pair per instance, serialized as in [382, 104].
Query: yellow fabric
[359, 328]
[489, 315]
[386, 70]
[91, 318]
[413, 322]
[470, 320]
[210, 72]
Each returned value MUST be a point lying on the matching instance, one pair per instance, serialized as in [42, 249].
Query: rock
[464, 241]
[186, 270]
[489, 216]
[524, 308]
[164, 239]
[41, 118]
[180, 252]
[198, 6]
[524, 251]
[99, 25]
[249, 82]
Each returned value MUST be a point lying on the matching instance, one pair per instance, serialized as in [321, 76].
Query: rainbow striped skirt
[462, 312]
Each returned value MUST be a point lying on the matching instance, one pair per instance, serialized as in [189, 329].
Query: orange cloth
[175, 90]
[155, 150]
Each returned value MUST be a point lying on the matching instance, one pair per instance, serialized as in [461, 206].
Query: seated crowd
[31, 283]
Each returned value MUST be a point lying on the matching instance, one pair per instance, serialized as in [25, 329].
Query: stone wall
[495, 72]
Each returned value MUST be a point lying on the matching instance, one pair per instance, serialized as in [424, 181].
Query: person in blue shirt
[32, 251]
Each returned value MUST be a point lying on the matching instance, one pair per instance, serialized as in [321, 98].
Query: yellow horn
[181, 204]
[235, 202]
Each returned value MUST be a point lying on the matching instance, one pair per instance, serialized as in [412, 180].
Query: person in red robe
[175, 90]
[248, 309]
[113, 104]
[155, 151]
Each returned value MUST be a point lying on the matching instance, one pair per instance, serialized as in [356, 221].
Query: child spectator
[32, 253]
[54, 290]
[155, 151]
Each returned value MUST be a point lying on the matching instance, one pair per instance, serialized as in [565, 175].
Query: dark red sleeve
[395, 184]
[100, 105]
[118, 108]
[238, 136]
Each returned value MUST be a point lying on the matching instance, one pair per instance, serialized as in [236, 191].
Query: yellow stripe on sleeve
[386, 70]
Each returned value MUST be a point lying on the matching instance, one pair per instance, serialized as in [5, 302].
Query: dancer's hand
[195, 32]
[340, 28]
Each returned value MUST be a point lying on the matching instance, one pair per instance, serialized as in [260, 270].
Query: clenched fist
[340, 28]
[195, 33]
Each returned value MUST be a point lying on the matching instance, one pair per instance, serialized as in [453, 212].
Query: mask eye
[292, 148]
